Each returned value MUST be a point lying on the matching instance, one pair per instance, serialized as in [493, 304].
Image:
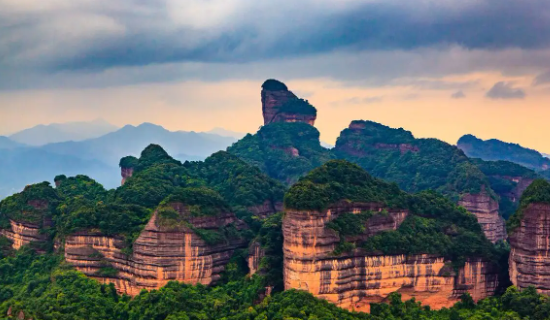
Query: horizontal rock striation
[355, 279]
[160, 254]
[273, 100]
[23, 233]
[530, 249]
[485, 209]
[266, 209]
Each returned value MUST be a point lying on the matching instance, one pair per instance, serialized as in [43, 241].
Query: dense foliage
[284, 151]
[297, 106]
[339, 180]
[494, 149]
[35, 204]
[128, 162]
[537, 192]
[500, 175]
[274, 85]
[42, 287]
[414, 164]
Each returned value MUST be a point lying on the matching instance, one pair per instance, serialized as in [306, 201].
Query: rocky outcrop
[22, 233]
[266, 209]
[521, 184]
[530, 249]
[276, 95]
[255, 255]
[485, 208]
[126, 173]
[402, 147]
[160, 254]
[355, 279]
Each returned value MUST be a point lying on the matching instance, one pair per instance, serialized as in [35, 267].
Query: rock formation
[281, 105]
[485, 208]
[23, 233]
[530, 255]
[127, 165]
[354, 279]
[160, 253]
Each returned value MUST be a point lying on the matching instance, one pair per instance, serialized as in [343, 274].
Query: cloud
[142, 33]
[358, 101]
[505, 90]
[542, 78]
[458, 95]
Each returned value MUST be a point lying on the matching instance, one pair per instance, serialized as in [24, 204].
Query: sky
[439, 68]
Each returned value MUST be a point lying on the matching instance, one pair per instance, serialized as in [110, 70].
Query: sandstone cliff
[529, 258]
[281, 105]
[485, 208]
[355, 279]
[160, 253]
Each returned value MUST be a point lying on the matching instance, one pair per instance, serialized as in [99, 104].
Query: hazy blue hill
[130, 140]
[22, 166]
[59, 132]
[494, 149]
[7, 143]
[226, 133]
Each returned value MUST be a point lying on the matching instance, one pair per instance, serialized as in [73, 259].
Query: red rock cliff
[126, 173]
[354, 280]
[22, 233]
[160, 254]
[485, 209]
[274, 95]
[530, 255]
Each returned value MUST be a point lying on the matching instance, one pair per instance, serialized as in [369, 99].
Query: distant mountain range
[22, 164]
[494, 149]
[59, 132]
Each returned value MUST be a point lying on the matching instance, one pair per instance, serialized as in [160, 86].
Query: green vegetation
[350, 224]
[339, 180]
[422, 164]
[151, 156]
[297, 106]
[128, 162]
[81, 186]
[199, 202]
[34, 204]
[274, 85]
[493, 149]
[537, 192]
[284, 151]
[500, 174]
[45, 288]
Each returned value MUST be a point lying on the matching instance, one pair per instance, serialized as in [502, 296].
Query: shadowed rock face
[160, 254]
[529, 258]
[355, 279]
[273, 98]
[485, 209]
[126, 173]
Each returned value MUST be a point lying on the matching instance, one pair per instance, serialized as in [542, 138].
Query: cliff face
[126, 173]
[354, 279]
[530, 254]
[272, 101]
[160, 254]
[22, 233]
[485, 209]
[266, 209]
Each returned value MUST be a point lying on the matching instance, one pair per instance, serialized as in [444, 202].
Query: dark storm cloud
[136, 32]
[505, 90]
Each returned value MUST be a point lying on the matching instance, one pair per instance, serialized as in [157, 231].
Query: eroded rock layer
[485, 209]
[530, 249]
[160, 254]
[353, 280]
[22, 233]
[272, 100]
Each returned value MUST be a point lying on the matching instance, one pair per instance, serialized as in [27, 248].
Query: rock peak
[281, 105]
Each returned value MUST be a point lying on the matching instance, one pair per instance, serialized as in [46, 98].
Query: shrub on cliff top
[274, 85]
[537, 192]
[339, 180]
[297, 106]
[200, 201]
[81, 186]
[18, 207]
[128, 162]
[152, 155]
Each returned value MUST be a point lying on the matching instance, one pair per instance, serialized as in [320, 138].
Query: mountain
[7, 143]
[226, 133]
[494, 149]
[59, 132]
[23, 166]
[130, 140]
